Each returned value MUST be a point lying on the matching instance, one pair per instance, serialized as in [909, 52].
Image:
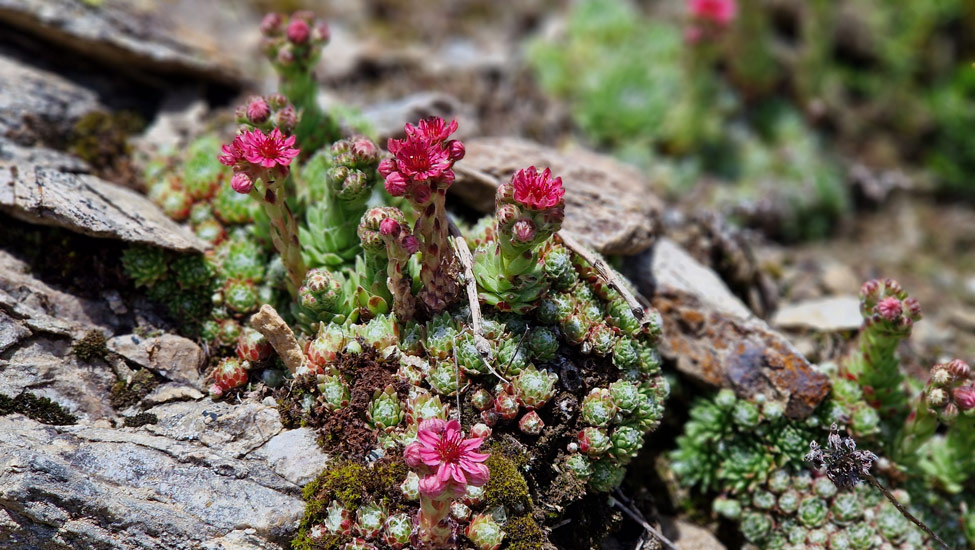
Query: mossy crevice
[37, 408]
[124, 393]
[91, 347]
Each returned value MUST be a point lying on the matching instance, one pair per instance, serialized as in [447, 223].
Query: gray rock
[177, 358]
[295, 455]
[714, 338]
[84, 487]
[46, 187]
[833, 314]
[143, 45]
[693, 537]
[231, 429]
[608, 205]
[11, 331]
[171, 391]
[388, 118]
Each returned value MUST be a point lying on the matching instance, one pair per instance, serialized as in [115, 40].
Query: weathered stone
[177, 358]
[45, 367]
[11, 331]
[46, 187]
[172, 391]
[692, 537]
[230, 429]
[142, 45]
[715, 339]
[608, 205]
[294, 455]
[388, 119]
[83, 487]
[833, 314]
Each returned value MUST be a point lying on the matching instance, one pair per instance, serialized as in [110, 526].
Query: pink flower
[233, 152]
[269, 151]
[537, 191]
[432, 128]
[241, 183]
[453, 461]
[721, 12]
[890, 308]
[419, 158]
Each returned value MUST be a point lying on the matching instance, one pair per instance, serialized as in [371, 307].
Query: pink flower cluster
[719, 12]
[537, 191]
[253, 153]
[447, 460]
[422, 163]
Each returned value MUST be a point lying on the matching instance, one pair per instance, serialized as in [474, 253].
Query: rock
[961, 317]
[141, 45]
[172, 391]
[177, 358]
[839, 278]
[714, 338]
[246, 539]
[42, 186]
[836, 313]
[294, 455]
[11, 331]
[609, 206]
[389, 118]
[84, 487]
[692, 537]
[230, 429]
[35, 102]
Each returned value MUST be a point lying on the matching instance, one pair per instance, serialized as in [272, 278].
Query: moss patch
[102, 139]
[524, 534]
[140, 419]
[506, 486]
[351, 484]
[125, 395]
[91, 347]
[40, 409]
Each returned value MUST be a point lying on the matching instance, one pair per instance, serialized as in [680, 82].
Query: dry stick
[268, 322]
[606, 272]
[873, 481]
[650, 528]
[467, 262]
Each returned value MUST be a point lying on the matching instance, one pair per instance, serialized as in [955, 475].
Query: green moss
[524, 534]
[101, 138]
[124, 394]
[140, 419]
[91, 347]
[351, 484]
[507, 486]
[40, 409]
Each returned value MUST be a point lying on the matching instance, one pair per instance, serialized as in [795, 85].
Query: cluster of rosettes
[734, 445]
[422, 163]
[528, 211]
[293, 44]
[792, 511]
[950, 390]
[234, 372]
[191, 186]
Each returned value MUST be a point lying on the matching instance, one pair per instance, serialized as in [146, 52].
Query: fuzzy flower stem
[437, 258]
[434, 524]
[900, 508]
[284, 233]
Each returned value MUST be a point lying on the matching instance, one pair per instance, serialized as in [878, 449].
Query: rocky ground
[166, 467]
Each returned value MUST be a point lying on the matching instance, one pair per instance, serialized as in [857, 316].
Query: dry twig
[268, 322]
[607, 273]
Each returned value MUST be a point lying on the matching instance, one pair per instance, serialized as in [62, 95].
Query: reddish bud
[389, 227]
[271, 24]
[298, 31]
[964, 397]
[241, 183]
[258, 110]
[524, 230]
[890, 308]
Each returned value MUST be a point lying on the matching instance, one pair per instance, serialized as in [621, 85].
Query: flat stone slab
[125, 489]
[608, 204]
[177, 358]
[832, 314]
[715, 339]
[112, 33]
[42, 186]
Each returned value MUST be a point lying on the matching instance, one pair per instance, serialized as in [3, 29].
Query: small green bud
[579, 466]
[543, 344]
[606, 476]
[240, 296]
[598, 408]
[445, 378]
[533, 387]
[601, 339]
[824, 488]
[594, 441]
[813, 511]
[384, 412]
[846, 508]
[755, 526]
[146, 265]
[763, 500]
[746, 415]
[727, 507]
[625, 354]
[789, 501]
[627, 442]
[334, 390]
[626, 395]
[779, 481]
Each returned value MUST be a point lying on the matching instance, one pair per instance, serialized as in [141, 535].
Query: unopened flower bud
[320, 32]
[964, 397]
[506, 213]
[298, 31]
[271, 24]
[456, 149]
[241, 183]
[889, 308]
[959, 368]
[277, 101]
[389, 227]
[258, 110]
[395, 183]
[411, 244]
[936, 398]
[950, 413]
[286, 119]
[481, 430]
[524, 230]
[285, 56]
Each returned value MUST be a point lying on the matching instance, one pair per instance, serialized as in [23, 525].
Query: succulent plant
[533, 388]
[384, 412]
[484, 532]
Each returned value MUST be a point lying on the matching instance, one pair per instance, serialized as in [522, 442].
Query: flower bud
[271, 24]
[298, 31]
[286, 119]
[241, 183]
[964, 397]
[889, 308]
[524, 230]
[258, 110]
[959, 368]
[936, 398]
[456, 149]
[389, 227]
[396, 184]
[481, 430]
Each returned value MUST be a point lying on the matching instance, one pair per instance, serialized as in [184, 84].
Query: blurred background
[822, 142]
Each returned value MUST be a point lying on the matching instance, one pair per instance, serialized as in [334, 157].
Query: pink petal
[435, 425]
[432, 486]
[476, 457]
[471, 444]
[458, 475]
[477, 474]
